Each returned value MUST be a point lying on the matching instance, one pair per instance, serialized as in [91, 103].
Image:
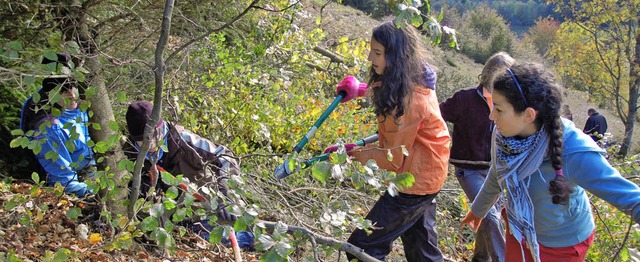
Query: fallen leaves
[95, 238]
[37, 228]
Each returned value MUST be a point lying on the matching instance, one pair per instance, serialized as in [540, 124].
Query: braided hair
[527, 85]
[405, 57]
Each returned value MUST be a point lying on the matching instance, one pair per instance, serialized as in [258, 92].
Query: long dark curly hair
[541, 92]
[406, 58]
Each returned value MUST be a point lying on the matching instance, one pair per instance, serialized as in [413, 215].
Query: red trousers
[575, 253]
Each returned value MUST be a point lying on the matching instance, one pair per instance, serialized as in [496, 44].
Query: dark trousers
[410, 217]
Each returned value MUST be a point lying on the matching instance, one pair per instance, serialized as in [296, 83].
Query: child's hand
[352, 88]
[472, 221]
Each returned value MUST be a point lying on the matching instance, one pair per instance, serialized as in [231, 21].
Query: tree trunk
[76, 28]
[634, 93]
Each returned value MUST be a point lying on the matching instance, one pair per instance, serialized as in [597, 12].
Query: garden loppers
[346, 90]
[285, 170]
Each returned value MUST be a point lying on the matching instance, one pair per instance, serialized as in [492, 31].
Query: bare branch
[278, 11]
[246, 10]
[16, 72]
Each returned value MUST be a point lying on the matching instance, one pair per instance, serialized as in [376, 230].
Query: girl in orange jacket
[402, 87]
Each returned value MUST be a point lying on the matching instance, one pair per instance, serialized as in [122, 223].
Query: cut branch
[334, 57]
[344, 246]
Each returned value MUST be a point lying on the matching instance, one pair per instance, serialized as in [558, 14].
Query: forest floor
[38, 228]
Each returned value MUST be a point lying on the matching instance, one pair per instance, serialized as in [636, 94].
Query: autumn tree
[484, 32]
[597, 49]
[542, 34]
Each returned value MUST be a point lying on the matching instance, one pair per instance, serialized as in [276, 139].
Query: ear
[530, 115]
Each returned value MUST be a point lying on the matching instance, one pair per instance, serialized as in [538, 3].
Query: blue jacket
[468, 111]
[67, 135]
[586, 169]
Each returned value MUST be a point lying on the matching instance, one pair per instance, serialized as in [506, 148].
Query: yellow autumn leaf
[95, 238]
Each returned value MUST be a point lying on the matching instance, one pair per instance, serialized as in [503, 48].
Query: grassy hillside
[456, 71]
[579, 104]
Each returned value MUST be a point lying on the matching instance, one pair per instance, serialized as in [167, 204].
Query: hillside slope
[456, 71]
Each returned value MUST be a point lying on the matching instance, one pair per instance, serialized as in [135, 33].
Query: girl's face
[376, 56]
[69, 99]
[510, 123]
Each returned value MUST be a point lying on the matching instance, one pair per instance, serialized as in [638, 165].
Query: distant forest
[520, 14]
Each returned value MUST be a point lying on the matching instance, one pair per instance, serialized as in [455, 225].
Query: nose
[369, 57]
[492, 115]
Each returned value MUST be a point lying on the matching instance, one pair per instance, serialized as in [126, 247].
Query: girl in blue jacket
[546, 166]
[62, 131]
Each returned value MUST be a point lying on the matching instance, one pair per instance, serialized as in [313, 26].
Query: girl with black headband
[546, 166]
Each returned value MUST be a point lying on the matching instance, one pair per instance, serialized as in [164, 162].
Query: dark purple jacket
[595, 126]
[191, 155]
[467, 110]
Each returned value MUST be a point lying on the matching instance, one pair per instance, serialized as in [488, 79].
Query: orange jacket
[424, 133]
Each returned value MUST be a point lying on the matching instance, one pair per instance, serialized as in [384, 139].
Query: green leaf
[265, 242]
[36, 97]
[163, 238]
[172, 192]
[272, 256]
[121, 97]
[138, 204]
[215, 236]
[338, 158]
[416, 20]
[283, 249]
[10, 205]
[404, 180]
[15, 142]
[101, 147]
[15, 45]
[179, 215]
[17, 132]
[96, 126]
[149, 224]
[62, 255]
[169, 204]
[292, 165]
[51, 55]
[169, 179]
[321, 171]
[157, 210]
[35, 177]
[74, 212]
[52, 155]
[113, 125]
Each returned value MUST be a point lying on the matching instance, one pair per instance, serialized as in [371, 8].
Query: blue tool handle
[319, 122]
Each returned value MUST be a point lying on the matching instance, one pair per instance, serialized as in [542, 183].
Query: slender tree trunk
[154, 118]
[76, 28]
[634, 92]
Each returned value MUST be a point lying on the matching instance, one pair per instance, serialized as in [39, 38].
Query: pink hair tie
[559, 172]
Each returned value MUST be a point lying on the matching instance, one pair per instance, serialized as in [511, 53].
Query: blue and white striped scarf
[513, 161]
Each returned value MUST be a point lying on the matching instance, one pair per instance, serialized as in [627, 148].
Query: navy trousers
[410, 217]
